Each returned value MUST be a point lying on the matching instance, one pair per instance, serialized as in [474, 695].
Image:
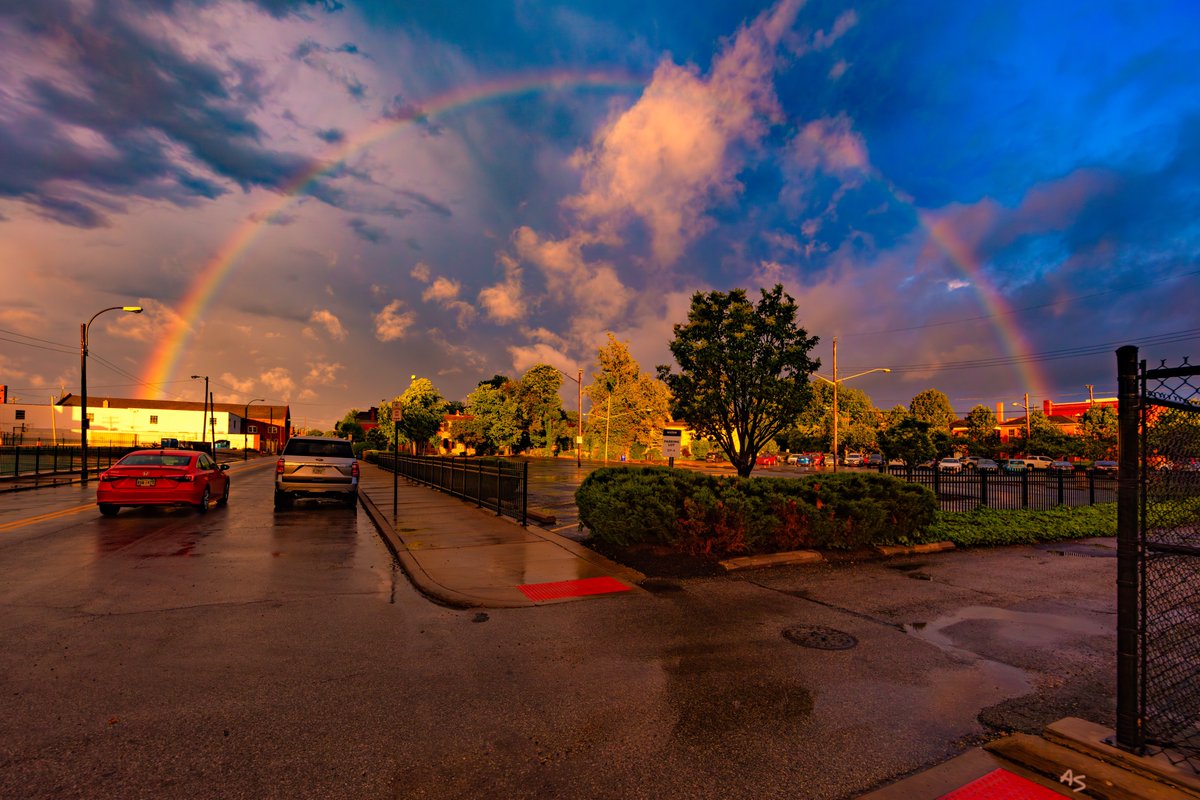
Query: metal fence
[35, 460]
[1035, 489]
[1158, 604]
[496, 484]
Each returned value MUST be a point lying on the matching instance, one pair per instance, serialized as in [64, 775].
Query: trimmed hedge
[705, 514]
[986, 527]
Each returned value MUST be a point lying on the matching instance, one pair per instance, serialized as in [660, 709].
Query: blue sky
[988, 198]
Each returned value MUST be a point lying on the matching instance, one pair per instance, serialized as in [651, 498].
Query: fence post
[937, 482]
[37, 461]
[1129, 728]
[1091, 473]
[524, 493]
[1060, 486]
[498, 470]
[1025, 487]
[983, 495]
[479, 486]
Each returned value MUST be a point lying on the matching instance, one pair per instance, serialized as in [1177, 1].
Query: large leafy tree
[424, 408]
[908, 440]
[628, 406]
[494, 425]
[1098, 427]
[981, 431]
[743, 370]
[933, 407]
[540, 406]
[350, 426]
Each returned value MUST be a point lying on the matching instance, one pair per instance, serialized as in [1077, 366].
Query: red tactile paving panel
[577, 588]
[1000, 784]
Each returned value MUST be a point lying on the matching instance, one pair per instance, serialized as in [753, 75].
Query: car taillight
[354, 470]
[106, 478]
[279, 467]
[184, 478]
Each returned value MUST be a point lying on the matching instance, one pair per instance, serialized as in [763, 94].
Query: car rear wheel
[109, 510]
[202, 506]
[283, 501]
[224, 499]
[351, 500]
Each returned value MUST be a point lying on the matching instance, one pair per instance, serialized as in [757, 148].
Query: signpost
[397, 415]
[672, 444]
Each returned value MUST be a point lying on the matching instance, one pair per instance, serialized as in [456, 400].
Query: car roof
[175, 451]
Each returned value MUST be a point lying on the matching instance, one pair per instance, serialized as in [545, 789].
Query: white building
[123, 421]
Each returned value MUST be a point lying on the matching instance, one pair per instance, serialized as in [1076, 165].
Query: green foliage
[982, 437]
[1098, 427]
[629, 406]
[909, 441]
[539, 406]
[705, 514]
[985, 527]
[743, 370]
[494, 423]
[933, 407]
[348, 426]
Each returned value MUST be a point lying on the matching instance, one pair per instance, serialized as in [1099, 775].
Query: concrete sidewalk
[467, 557]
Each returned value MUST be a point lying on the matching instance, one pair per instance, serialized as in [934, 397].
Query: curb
[772, 560]
[914, 549]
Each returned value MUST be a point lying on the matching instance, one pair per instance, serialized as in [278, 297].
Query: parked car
[1038, 462]
[169, 443]
[950, 465]
[221, 444]
[986, 465]
[874, 460]
[767, 460]
[1105, 466]
[854, 459]
[162, 478]
[315, 466]
[1015, 465]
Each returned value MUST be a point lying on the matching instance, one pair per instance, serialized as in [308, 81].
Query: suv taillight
[279, 467]
[354, 470]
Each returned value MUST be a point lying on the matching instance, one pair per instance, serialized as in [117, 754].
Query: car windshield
[329, 448]
[154, 460]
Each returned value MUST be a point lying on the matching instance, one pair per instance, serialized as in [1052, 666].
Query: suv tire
[283, 501]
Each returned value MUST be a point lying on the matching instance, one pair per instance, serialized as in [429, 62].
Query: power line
[55, 348]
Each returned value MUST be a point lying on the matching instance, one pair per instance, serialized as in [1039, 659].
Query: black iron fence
[1158, 578]
[492, 483]
[37, 460]
[1036, 489]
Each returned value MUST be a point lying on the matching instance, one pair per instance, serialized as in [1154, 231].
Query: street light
[245, 414]
[836, 380]
[579, 425]
[83, 353]
[204, 425]
[1026, 404]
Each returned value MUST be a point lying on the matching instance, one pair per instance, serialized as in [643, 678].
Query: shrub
[985, 527]
[705, 514]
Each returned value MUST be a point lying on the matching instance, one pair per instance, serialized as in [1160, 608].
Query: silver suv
[315, 466]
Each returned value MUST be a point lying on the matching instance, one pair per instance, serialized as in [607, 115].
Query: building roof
[256, 410]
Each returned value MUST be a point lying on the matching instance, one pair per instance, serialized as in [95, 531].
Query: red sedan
[163, 478]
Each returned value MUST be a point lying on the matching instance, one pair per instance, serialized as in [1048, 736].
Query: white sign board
[397, 413]
[672, 442]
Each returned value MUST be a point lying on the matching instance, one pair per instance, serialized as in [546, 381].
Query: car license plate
[318, 470]
[145, 481]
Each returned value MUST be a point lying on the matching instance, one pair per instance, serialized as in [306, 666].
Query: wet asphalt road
[245, 653]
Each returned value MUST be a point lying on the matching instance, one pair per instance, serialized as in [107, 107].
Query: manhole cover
[819, 638]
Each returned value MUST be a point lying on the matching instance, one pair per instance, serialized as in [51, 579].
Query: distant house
[126, 421]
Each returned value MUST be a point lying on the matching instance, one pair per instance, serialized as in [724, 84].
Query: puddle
[1026, 627]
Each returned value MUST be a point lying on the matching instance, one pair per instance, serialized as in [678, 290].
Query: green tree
[933, 407]
[1098, 430]
[743, 370]
[628, 406]
[982, 437]
[494, 425]
[540, 406]
[858, 420]
[1045, 437]
[908, 440]
[349, 426]
[423, 409]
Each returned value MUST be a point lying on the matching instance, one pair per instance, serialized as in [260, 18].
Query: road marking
[65, 512]
[564, 527]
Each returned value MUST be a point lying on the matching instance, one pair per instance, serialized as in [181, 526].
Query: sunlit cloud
[327, 320]
[393, 322]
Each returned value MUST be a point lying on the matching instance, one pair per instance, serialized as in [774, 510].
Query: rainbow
[165, 358]
[993, 302]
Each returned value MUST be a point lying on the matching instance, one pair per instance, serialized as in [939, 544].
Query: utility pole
[1091, 393]
[835, 407]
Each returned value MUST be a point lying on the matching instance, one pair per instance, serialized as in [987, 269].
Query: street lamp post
[579, 422]
[836, 380]
[1027, 426]
[204, 424]
[83, 354]
[245, 415]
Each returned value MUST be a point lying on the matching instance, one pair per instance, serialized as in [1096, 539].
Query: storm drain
[819, 638]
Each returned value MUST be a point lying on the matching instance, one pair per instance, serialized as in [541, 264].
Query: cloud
[830, 145]
[322, 373]
[331, 135]
[392, 323]
[279, 379]
[503, 302]
[367, 232]
[678, 150]
[442, 290]
[422, 272]
[327, 320]
[242, 386]
[155, 321]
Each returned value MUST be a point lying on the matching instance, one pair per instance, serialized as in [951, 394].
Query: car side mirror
[223, 468]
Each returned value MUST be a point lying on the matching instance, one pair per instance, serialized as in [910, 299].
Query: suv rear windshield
[329, 448]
